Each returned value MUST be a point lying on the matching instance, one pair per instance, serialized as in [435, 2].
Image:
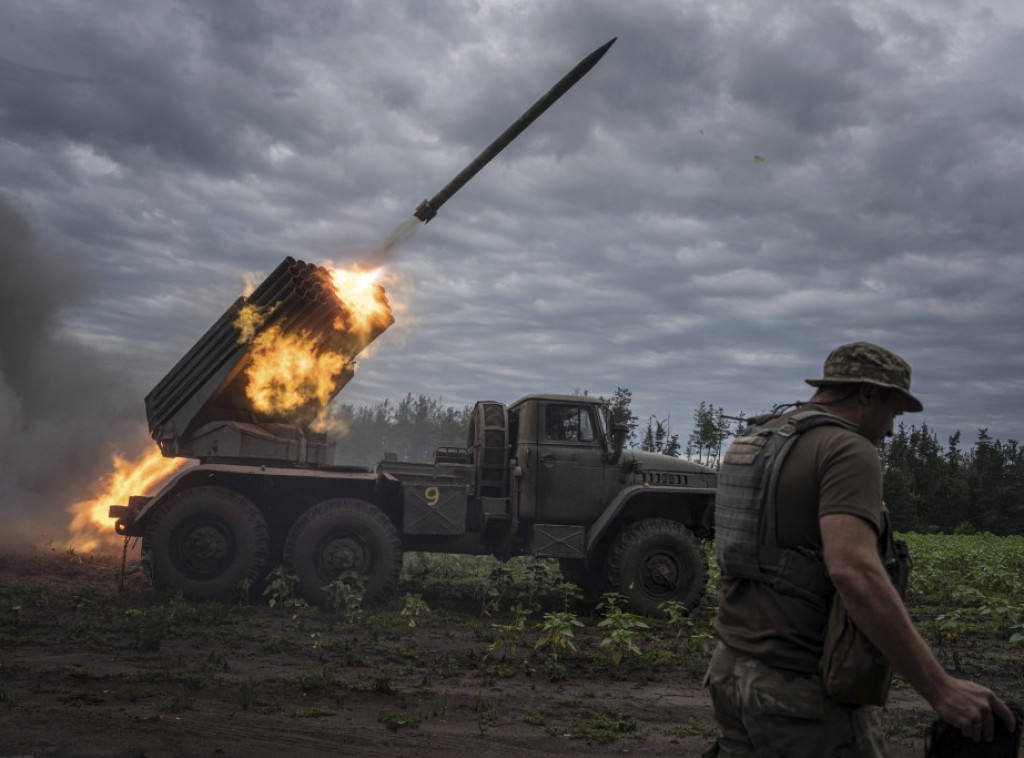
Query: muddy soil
[92, 668]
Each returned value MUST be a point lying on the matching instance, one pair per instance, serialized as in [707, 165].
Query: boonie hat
[864, 362]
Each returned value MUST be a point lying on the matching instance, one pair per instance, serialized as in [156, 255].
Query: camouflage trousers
[769, 713]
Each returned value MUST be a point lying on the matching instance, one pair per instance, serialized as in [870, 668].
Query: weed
[510, 635]
[414, 607]
[345, 595]
[384, 681]
[214, 662]
[554, 671]
[143, 567]
[606, 727]
[622, 633]
[448, 666]
[557, 632]
[694, 728]
[281, 590]
[906, 724]
[242, 590]
[246, 694]
[395, 721]
[6, 698]
[345, 653]
[274, 642]
[179, 703]
[129, 693]
[536, 718]
[323, 683]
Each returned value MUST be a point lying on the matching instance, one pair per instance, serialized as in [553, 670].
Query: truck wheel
[205, 541]
[339, 535]
[656, 560]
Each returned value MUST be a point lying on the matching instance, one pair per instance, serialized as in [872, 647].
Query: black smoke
[63, 409]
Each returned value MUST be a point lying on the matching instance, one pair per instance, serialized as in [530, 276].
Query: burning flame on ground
[91, 524]
[292, 372]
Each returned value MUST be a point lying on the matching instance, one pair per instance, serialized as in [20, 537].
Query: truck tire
[339, 535]
[205, 541]
[656, 560]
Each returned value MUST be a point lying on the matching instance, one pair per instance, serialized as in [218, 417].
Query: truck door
[570, 467]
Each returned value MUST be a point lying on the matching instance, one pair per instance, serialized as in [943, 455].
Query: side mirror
[619, 433]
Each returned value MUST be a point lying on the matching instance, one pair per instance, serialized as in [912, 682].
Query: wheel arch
[693, 508]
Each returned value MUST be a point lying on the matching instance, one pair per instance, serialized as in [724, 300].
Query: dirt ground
[88, 668]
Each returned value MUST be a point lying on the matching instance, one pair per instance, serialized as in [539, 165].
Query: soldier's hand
[972, 709]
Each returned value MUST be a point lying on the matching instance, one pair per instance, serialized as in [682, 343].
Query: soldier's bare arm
[851, 557]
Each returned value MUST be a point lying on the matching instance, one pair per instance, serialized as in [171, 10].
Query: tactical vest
[746, 543]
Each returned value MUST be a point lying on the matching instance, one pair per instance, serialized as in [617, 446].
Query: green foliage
[710, 430]
[345, 595]
[395, 721]
[246, 694]
[510, 635]
[143, 566]
[606, 727]
[952, 490]
[622, 633]
[557, 632]
[414, 607]
[968, 584]
[658, 437]
[281, 590]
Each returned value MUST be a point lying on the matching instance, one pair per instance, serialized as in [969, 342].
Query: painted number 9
[432, 495]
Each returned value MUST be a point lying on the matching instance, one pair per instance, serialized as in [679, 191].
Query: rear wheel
[658, 560]
[205, 541]
[339, 535]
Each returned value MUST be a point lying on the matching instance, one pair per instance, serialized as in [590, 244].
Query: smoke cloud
[63, 410]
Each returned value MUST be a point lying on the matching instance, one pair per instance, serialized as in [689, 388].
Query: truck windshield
[573, 423]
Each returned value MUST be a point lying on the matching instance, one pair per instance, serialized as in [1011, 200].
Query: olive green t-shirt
[829, 470]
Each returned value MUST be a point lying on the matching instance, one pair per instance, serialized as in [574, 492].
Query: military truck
[544, 476]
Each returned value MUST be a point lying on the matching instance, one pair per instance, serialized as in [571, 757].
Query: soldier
[818, 545]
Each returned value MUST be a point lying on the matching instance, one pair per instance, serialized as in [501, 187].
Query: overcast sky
[734, 190]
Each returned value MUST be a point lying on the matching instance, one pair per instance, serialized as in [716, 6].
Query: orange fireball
[91, 526]
[297, 367]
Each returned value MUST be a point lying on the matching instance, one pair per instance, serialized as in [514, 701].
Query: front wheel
[205, 541]
[657, 560]
[340, 535]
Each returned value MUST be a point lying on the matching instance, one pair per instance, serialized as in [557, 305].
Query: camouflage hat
[864, 362]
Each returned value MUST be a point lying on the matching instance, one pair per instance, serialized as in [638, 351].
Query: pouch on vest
[853, 670]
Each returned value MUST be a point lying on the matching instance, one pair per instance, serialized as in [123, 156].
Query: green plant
[395, 721]
[242, 591]
[246, 694]
[414, 607]
[557, 632]
[281, 590]
[509, 635]
[610, 600]
[602, 728]
[144, 567]
[345, 595]
[622, 633]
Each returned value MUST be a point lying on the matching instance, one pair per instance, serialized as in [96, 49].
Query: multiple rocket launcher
[206, 389]
[201, 409]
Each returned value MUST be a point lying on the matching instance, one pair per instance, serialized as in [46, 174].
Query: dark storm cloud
[628, 238]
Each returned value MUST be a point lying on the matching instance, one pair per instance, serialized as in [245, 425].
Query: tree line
[928, 487]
